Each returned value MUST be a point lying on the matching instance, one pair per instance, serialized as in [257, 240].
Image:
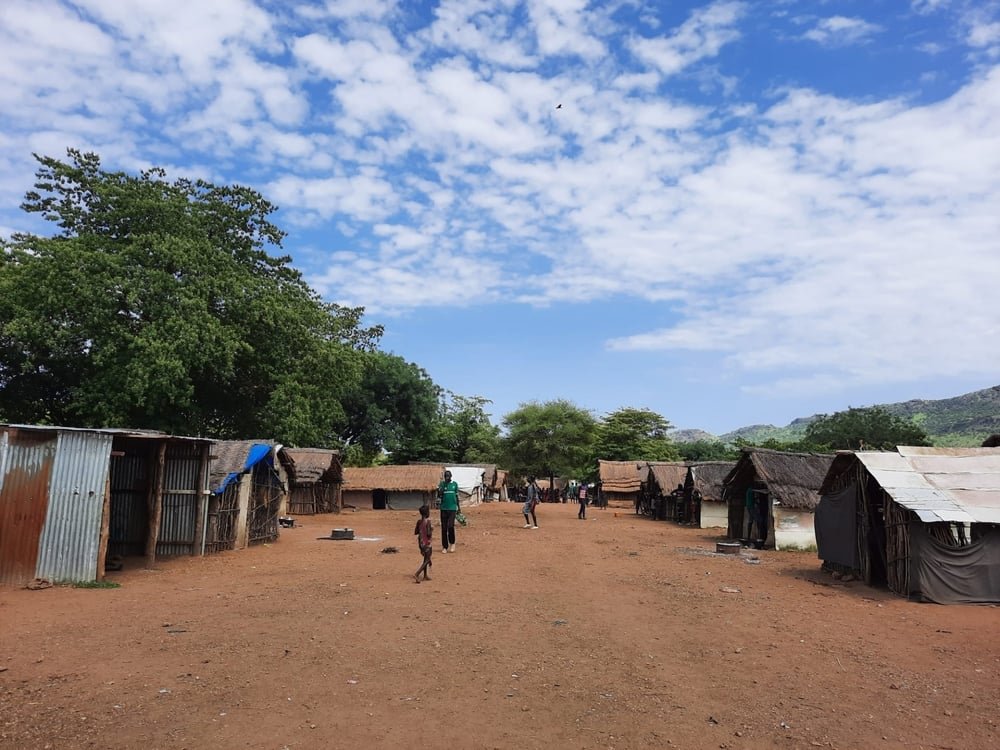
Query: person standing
[425, 540]
[448, 494]
[582, 499]
[531, 501]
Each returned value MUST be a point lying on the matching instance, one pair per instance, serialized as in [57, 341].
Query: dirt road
[615, 632]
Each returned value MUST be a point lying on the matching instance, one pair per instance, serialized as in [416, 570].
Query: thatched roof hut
[782, 490]
[392, 487]
[705, 486]
[247, 494]
[660, 498]
[314, 477]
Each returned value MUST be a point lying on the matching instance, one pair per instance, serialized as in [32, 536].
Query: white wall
[794, 529]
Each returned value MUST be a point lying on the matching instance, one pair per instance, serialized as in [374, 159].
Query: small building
[314, 480]
[499, 491]
[391, 487]
[923, 521]
[771, 497]
[247, 494]
[471, 483]
[704, 486]
[71, 499]
[622, 482]
[661, 496]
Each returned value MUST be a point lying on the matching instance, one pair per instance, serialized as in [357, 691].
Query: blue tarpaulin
[258, 452]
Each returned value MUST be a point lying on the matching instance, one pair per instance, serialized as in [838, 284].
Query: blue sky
[743, 212]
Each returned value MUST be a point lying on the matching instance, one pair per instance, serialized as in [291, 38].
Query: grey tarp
[836, 527]
[955, 575]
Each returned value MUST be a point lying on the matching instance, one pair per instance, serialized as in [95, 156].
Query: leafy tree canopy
[554, 438]
[634, 434]
[872, 428]
[461, 433]
[158, 305]
[394, 404]
[707, 450]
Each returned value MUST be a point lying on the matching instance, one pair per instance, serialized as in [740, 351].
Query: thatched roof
[668, 474]
[311, 465]
[501, 479]
[622, 476]
[410, 478]
[793, 479]
[230, 457]
[708, 476]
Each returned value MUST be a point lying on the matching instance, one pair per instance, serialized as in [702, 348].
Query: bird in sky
[558, 106]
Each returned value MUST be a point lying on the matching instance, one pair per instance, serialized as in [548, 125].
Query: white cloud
[701, 36]
[841, 31]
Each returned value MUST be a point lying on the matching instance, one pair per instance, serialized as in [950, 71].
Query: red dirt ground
[616, 632]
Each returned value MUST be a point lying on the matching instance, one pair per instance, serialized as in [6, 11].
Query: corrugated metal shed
[70, 542]
[957, 485]
[26, 460]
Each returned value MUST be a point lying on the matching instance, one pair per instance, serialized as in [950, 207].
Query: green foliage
[872, 428]
[394, 404]
[555, 438]
[461, 433]
[96, 585]
[634, 434]
[157, 305]
[707, 450]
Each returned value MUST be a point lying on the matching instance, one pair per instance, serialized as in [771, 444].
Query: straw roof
[311, 465]
[410, 478]
[708, 476]
[668, 474]
[792, 479]
[230, 457]
[622, 476]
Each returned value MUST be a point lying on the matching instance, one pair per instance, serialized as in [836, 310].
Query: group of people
[450, 509]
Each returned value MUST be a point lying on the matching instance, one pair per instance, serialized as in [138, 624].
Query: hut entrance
[380, 499]
[265, 500]
[131, 494]
[223, 514]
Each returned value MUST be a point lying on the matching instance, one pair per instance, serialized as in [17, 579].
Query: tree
[707, 450]
[395, 404]
[630, 434]
[461, 434]
[157, 305]
[871, 428]
[554, 438]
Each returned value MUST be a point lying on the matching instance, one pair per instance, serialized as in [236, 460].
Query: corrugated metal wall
[71, 537]
[26, 460]
[180, 500]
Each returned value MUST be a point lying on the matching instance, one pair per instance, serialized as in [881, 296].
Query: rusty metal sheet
[26, 459]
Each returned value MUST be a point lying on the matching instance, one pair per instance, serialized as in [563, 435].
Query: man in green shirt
[448, 495]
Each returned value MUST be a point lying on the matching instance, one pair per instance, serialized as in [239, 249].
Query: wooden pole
[102, 545]
[198, 545]
[156, 511]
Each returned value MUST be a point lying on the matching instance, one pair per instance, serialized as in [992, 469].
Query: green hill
[960, 421]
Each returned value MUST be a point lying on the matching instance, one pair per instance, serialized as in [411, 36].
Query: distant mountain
[960, 421]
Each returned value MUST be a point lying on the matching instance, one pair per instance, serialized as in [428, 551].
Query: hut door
[265, 498]
[379, 499]
[222, 515]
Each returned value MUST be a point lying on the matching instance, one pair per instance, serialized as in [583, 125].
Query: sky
[728, 212]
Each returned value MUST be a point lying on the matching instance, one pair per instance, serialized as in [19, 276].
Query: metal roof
[954, 485]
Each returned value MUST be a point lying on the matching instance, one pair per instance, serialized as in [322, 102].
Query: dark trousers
[582, 513]
[448, 527]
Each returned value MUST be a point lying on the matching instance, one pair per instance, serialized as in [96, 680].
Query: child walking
[424, 532]
[531, 501]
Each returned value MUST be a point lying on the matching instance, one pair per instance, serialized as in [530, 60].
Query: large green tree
[631, 434]
[461, 433]
[871, 428]
[158, 305]
[395, 404]
[554, 438]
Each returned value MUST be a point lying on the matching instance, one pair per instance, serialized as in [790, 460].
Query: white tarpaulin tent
[470, 483]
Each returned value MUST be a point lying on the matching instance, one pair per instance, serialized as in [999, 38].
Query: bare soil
[615, 632]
